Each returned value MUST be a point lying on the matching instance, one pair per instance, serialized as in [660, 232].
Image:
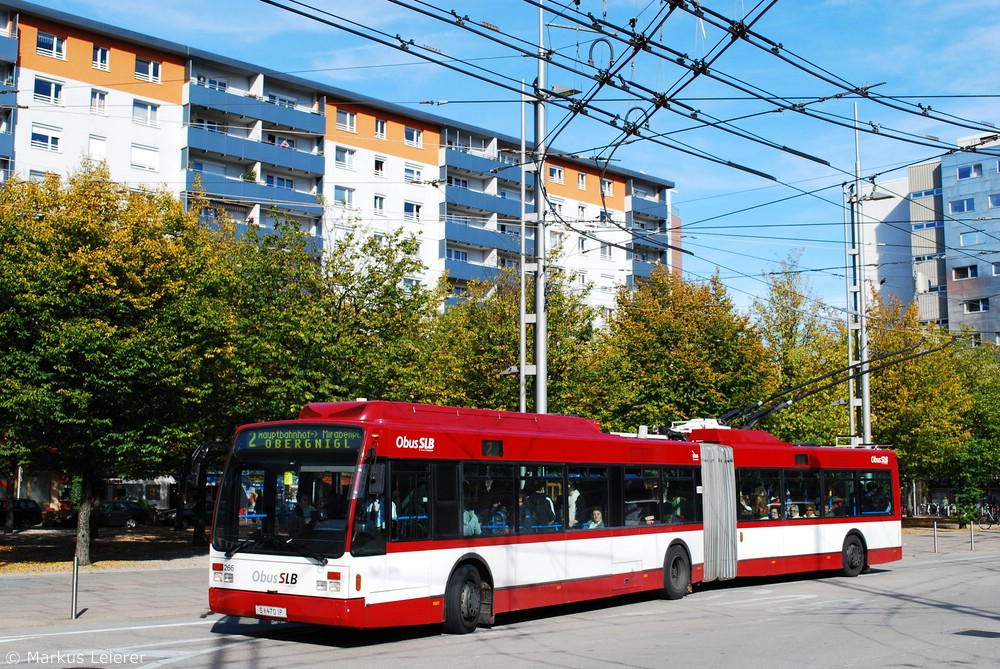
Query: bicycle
[988, 517]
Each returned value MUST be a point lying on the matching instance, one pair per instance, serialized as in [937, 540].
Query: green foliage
[676, 350]
[918, 406]
[803, 338]
[474, 340]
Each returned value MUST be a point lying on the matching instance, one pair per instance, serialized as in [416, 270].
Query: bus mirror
[376, 482]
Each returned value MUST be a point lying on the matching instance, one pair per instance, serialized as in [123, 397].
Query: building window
[607, 187]
[51, 45]
[581, 181]
[214, 84]
[413, 137]
[994, 200]
[581, 244]
[996, 269]
[344, 158]
[555, 174]
[346, 120]
[145, 157]
[101, 58]
[343, 196]
[556, 207]
[458, 182]
[581, 212]
[962, 206]
[98, 102]
[280, 182]
[380, 128]
[147, 70]
[966, 272]
[212, 126]
[144, 113]
[412, 173]
[455, 254]
[282, 142]
[48, 91]
[46, 137]
[411, 211]
[97, 147]
[380, 166]
[605, 251]
[970, 171]
[281, 100]
[976, 306]
[379, 205]
[970, 238]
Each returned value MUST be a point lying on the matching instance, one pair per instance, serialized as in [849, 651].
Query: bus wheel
[853, 556]
[462, 601]
[676, 573]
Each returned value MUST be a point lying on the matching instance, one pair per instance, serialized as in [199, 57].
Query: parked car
[188, 515]
[27, 513]
[121, 514]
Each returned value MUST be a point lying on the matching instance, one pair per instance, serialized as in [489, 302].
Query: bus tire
[462, 600]
[853, 556]
[676, 573]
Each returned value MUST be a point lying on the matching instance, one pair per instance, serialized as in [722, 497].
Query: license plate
[272, 611]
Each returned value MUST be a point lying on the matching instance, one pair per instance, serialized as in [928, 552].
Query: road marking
[28, 637]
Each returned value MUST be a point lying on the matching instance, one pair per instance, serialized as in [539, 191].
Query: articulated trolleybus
[377, 514]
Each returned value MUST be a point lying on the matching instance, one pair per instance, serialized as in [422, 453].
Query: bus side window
[409, 485]
[447, 501]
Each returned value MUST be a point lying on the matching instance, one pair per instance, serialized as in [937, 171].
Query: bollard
[972, 537]
[76, 585]
[935, 536]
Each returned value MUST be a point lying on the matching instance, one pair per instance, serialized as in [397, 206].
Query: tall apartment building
[257, 142]
[950, 208]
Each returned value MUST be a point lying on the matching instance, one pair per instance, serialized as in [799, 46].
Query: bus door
[718, 478]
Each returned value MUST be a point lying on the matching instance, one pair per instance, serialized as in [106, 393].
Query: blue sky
[941, 55]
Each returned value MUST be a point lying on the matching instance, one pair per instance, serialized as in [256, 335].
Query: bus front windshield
[294, 507]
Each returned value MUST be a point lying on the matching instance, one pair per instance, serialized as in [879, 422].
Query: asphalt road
[931, 609]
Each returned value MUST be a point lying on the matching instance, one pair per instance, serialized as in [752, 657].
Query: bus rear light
[333, 575]
[328, 586]
[216, 566]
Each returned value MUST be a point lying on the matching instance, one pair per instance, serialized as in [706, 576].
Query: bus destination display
[300, 438]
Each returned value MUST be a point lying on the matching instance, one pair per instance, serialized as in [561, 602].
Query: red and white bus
[376, 514]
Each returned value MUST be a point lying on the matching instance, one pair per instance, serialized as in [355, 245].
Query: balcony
[256, 108]
[467, 271]
[641, 269]
[245, 149]
[6, 144]
[473, 235]
[252, 192]
[8, 49]
[470, 199]
[469, 162]
[649, 208]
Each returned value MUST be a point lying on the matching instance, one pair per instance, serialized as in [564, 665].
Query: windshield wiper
[293, 543]
[255, 538]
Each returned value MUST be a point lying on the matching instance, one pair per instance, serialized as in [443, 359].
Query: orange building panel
[78, 65]
[394, 143]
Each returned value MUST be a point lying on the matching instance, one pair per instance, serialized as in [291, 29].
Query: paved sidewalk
[178, 589]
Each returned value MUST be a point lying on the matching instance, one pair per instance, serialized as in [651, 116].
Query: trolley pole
[541, 324]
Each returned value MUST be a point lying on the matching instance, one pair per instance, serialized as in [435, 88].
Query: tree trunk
[199, 537]
[85, 533]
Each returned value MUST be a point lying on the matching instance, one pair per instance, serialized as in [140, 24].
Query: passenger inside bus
[596, 520]
[576, 506]
[304, 516]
